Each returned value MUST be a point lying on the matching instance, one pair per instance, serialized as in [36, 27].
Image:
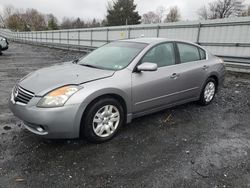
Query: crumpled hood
[44, 80]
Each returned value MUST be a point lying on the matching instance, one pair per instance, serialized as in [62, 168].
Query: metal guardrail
[227, 38]
[231, 59]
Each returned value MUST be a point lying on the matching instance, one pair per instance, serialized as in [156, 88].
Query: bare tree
[222, 9]
[35, 20]
[247, 12]
[16, 23]
[21, 20]
[173, 15]
[70, 23]
[150, 17]
[203, 13]
[8, 11]
[160, 11]
[67, 23]
[2, 23]
[32, 20]
[13, 19]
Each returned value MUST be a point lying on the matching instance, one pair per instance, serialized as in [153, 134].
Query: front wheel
[208, 92]
[103, 120]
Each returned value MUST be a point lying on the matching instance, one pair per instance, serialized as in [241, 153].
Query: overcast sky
[88, 9]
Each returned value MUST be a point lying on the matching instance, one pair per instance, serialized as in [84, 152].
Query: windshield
[114, 56]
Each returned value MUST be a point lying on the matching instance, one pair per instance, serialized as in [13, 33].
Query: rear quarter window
[202, 53]
[188, 53]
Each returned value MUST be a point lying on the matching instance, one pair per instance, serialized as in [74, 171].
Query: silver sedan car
[4, 45]
[98, 93]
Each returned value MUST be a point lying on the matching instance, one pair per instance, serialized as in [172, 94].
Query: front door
[158, 88]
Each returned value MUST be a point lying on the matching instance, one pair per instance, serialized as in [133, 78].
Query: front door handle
[175, 75]
[205, 67]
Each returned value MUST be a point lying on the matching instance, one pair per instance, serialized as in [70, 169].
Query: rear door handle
[205, 67]
[175, 75]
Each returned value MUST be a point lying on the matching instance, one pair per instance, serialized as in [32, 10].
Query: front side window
[188, 52]
[162, 55]
[113, 56]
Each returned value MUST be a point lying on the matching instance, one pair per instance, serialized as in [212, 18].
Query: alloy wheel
[106, 121]
[209, 91]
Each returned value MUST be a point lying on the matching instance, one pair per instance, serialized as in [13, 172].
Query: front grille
[22, 95]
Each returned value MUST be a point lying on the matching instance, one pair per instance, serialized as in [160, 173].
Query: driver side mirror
[147, 67]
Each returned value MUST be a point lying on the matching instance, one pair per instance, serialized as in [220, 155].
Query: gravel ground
[185, 146]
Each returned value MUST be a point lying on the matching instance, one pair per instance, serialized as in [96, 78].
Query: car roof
[146, 40]
[158, 40]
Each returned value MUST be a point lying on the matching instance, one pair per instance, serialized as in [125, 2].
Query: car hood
[44, 80]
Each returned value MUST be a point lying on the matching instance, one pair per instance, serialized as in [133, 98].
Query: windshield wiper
[92, 66]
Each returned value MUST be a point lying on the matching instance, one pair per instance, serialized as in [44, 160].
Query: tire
[1, 50]
[208, 92]
[99, 123]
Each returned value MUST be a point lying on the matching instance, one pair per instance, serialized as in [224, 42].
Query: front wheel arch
[115, 96]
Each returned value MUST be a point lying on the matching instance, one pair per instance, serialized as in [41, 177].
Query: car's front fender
[115, 85]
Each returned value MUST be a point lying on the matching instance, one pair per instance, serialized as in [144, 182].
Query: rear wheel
[103, 120]
[1, 50]
[208, 92]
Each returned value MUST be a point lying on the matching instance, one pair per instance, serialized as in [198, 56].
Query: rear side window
[202, 54]
[188, 52]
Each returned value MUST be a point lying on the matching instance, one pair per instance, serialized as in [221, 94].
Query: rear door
[193, 69]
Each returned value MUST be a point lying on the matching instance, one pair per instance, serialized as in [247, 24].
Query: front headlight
[58, 97]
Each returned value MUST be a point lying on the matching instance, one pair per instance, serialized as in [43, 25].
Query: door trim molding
[164, 96]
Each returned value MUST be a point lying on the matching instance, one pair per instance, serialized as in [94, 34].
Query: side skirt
[139, 114]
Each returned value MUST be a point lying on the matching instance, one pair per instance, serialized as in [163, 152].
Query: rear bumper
[55, 123]
[221, 77]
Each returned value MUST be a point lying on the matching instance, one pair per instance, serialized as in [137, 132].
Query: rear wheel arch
[203, 100]
[216, 80]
